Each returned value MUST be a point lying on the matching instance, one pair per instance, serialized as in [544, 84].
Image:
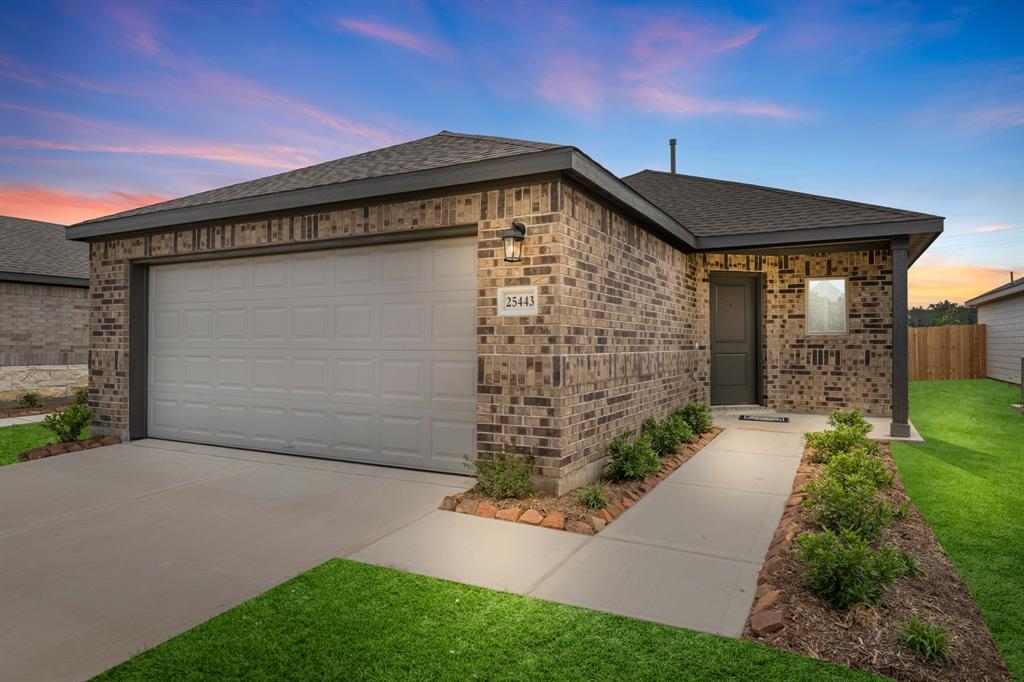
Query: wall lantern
[513, 239]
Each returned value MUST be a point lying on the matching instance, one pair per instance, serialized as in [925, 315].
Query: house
[1001, 310]
[44, 310]
[463, 294]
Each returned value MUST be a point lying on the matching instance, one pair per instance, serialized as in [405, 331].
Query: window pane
[826, 306]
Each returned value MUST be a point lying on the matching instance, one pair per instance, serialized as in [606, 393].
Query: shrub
[594, 496]
[631, 458]
[839, 439]
[851, 419]
[503, 475]
[81, 395]
[845, 571]
[902, 511]
[858, 462]
[67, 424]
[927, 640]
[29, 400]
[667, 436]
[848, 504]
[698, 416]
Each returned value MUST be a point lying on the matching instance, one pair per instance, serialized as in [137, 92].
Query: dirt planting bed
[565, 512]
[787, 615]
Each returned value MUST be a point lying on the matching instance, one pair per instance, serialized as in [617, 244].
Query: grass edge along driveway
[344, 620]
[967, 478]
[18, 438]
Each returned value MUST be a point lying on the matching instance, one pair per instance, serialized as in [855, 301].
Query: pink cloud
[397, 36]
[573, 81]
[929, 283]
[214, 85]
[49, 79]
[81, 134]
[65, 207]
[987, 229]
[1005, 116]
[654, 99]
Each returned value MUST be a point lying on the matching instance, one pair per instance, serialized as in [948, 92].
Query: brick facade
[622, 332]
[804, 373]
[44, 339]
[43, 324]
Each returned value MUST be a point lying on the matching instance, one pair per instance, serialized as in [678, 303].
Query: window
[826, 305]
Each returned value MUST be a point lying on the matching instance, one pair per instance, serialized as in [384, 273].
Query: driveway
[107, 552]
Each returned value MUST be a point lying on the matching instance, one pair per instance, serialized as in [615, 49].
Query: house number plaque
[513, 301]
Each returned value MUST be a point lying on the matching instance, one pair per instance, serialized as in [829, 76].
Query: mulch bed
[565, 512]
[787, 615]
[64, 448]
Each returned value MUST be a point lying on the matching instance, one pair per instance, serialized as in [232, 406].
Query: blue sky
[917, 105]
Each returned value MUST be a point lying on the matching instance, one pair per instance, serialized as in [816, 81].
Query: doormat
[763, 418]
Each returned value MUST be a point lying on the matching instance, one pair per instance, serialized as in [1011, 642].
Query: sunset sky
[107, 106]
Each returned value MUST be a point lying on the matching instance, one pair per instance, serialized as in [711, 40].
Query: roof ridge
[778, 190]
[31, 220]
[530, 144]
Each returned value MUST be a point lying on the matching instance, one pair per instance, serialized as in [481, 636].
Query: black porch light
[513, 239]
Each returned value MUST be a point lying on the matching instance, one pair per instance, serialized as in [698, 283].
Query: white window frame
[807, 306]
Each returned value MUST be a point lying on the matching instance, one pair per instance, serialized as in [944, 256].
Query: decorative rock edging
[64, 448]
[595, 521]
[767, 614]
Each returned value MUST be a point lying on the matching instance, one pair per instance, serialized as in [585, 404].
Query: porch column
[900, 391]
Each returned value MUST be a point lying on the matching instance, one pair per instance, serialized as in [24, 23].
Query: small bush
[845, 571]
[698, 416]
[594, 496]
[668, 435]
[631, 458]
[848, 504]
[902, 511]
[503, 475]
[840, 439]
[927, 640]
[30, 400]
[81, 395]
[851, 419]
[858, 462]
[67, 424]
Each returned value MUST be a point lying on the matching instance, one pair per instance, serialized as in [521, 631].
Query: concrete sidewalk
[687, 554]
[30, 419]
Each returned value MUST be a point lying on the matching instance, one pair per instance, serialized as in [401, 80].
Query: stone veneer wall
[822, 373]
[49, 381]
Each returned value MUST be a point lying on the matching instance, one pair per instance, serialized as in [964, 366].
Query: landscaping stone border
[543, 512]
[64, 448]
[787, 615]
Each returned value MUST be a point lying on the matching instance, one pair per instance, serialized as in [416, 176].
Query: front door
[734, 338]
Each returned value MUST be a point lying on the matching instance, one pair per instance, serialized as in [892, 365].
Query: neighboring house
[1002, 312]
[44, 310]
[362, 309]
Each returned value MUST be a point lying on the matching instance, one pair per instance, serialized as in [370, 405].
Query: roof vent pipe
[672, 153]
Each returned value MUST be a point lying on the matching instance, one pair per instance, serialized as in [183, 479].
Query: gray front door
[734, 339]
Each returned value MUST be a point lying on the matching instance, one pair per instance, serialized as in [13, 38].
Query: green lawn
[349, 621]
[21, 437]
[967, 478]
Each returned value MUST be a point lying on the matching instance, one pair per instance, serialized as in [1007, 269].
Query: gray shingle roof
[37, 248]
[1001, 291]
[709, 208]
[437, 151]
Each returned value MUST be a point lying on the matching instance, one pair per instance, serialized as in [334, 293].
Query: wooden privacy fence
[951, 352]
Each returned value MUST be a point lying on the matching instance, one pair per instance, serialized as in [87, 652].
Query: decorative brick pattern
[822, 372]
[622, 331]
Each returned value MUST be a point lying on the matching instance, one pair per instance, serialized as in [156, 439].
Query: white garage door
[364, 354]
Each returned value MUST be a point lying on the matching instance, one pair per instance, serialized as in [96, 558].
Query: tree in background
[942, 314]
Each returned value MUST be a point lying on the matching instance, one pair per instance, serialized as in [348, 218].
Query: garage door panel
[366, 354]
